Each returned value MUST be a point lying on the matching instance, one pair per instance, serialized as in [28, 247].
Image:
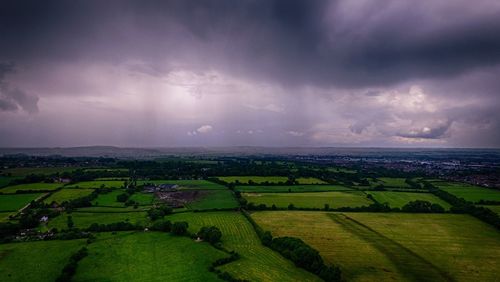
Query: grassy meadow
[31, 186]
[36, 261]
[257, 263]
[309, 180]
[469, 192]
[186, 184]
[85, 219]
[148, 256]
[216, 199]
[310, 200]
[395, 246]
[292, 188]
[67, 195]
[15, 202]
[97, 184]
[399, 199]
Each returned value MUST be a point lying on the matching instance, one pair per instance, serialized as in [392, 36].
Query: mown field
[399, 199]
[36, 261]
[67, 195]
[109, 199]
[97, 184]
[310, 200]
[254, 179]
[186, 184]
[220, 199]
[31, 186]
[257, 262]
[469, 192]
[148, 256]
[309, 180]
[395, 246]
[15, 202]
[292, 188]
[85, 219]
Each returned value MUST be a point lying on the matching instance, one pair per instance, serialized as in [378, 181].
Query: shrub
[180, 228]
[210, 234]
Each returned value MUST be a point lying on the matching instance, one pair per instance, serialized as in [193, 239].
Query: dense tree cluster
[70, 268]
[420, 206]
[211, 234]
[180, 228]
[159, 211]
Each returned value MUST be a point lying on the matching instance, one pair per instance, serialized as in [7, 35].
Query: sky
[380, 73]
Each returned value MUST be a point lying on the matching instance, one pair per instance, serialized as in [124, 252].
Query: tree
[210, 234]
[180, 228]
[70, 222]
[122, 197]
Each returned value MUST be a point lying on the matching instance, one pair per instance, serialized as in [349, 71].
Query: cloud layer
[277, 73]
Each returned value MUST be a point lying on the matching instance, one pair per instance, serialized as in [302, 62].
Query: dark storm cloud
[292, 42]
[11, 98]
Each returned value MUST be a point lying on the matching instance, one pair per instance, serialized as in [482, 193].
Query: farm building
[151, 188]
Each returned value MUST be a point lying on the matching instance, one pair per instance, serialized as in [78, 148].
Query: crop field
[16, 201]
[310, 200]
[257, 263]
[24, 171]
[67, 195]
[97, 184]
[31, 186]
[399, 199]
[468, 192]
[186, 184]
[395, 246]
[36, 261]
[85, 219]
[292, 188]
[221, 199]
[151, 256]
[109, 199]
[254, 179]
[309, 180]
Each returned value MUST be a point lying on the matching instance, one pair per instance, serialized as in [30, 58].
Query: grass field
[121, 209]
[150, 256]
[493, 208]
[85, 219]
[187, 184]
[309, 180]
[4, 216]
[31, 186]
[310, 200]
[292, 188]
[255, 179]
[257, 263]
[395, 246]
[16, 201]
[5, 180]
[109, 199]
[24, 171]
[36, 261]
[143, 199]
[399, 199]
[468, 192]
[393, 182]
[221, 199]
[97, 184]
[67, 195]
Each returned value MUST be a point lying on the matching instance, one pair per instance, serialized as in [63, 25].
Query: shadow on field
[410, 264]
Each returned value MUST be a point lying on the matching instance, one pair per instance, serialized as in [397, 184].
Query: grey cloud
[11, 98]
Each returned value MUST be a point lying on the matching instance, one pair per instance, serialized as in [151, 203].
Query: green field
[399, 199]
[36, 261]
[257, 263]
[255, 179]
[15, 202]
[97, 184]
[5, 180]
[109, 199]
[469, 192]
[186, 184]
[67, 195]
[395, 246]
[143, 199]
[24, 171]
[220, 199]
[31, 186]
[292, 188]
[150, 256]
[85, 219]
[493, 208]
[310, 200]
[393, 182]
[120, 209]
[309, 180]
[100, 169]
[4, 216]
